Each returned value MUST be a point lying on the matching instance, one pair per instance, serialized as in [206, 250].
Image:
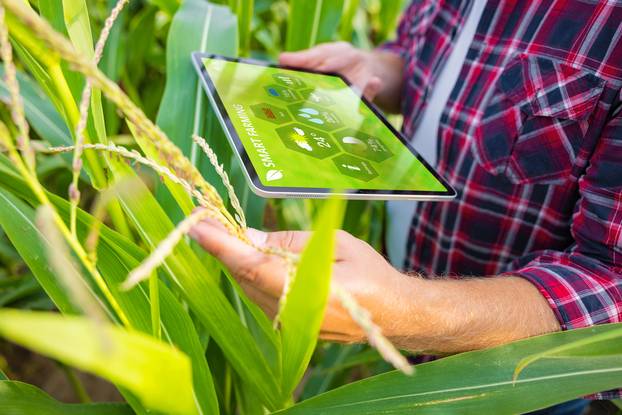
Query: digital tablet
[301, 133]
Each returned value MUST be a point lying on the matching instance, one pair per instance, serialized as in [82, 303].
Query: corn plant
[144, 308]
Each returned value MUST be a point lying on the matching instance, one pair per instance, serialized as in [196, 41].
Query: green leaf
[244, 10]
[41, 114]
[17, 398]
[350, 8]
[302, 314]
[116, 257]
[197, 26]
[52, 11]
[330, 16]
[253, 206]
[335, 360]
[27, 287]
[142, 37]
[168, 6]
[79, 29]
[76, 17]
[312, 22]
[111, 64]
[481, 381]
[158, 374]
[17, 221]
[591, 346]
[390, 11]
[201, 289]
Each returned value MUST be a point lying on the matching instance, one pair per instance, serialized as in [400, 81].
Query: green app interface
[309, 130]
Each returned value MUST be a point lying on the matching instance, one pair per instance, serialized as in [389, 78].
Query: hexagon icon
[363, 145]
[355, 167]
[271, 113]
[288, 80]
[315, 116]
[307, 141]
[283, 93]
[314, 96]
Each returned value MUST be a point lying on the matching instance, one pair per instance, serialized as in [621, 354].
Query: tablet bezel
[307, 192]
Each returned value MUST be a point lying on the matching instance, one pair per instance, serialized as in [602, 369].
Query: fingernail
[257, 237]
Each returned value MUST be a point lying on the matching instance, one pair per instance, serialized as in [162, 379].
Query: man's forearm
[390, 68]
[449, 316]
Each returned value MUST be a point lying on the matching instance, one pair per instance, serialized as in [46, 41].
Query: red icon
[268, 113]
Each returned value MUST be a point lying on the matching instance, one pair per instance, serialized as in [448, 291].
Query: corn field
[108, 146]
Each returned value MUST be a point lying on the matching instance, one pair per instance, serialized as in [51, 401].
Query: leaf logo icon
[273, 175]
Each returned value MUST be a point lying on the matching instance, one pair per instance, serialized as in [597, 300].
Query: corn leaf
[312, 22]
[200, 288]
[17, 221]
[142, 36]
[388, 16]
[47, 70]
[17, 398]
[482, 381]
[116, 257]
[254, 206]
[197, 26]
[302, 314]
[52, 11]
[42, 115]
[350, 8]
[330, 16]
[79, 29]
[158, 374]
[168, 6]
[244, 10]
[589, 346]
[111, 64]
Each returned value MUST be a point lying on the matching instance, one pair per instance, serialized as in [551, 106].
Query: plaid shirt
[531, 138]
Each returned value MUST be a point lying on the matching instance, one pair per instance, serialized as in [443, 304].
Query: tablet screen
[305, 130]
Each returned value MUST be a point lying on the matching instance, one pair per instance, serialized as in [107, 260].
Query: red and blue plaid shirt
[531, 139]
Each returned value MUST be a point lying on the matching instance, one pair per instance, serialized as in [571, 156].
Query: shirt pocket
[533, 125]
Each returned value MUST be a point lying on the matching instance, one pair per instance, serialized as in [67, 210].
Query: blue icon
[273, 92]
[309, 114]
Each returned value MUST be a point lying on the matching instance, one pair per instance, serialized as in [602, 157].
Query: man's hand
[436, 315]
[358, 269]
[377, 74]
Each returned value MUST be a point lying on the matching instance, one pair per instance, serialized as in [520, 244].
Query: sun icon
[298, 136]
